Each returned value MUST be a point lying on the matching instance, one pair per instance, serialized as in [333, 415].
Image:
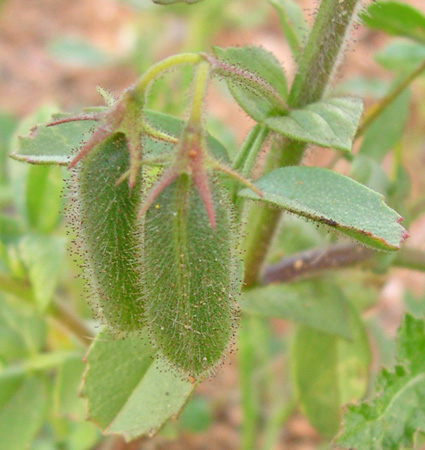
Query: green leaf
[401, 56]
[65, 395]
[329, 123]
[77, 53]
[315, 304]
[42, 256]
[397, 19]
[44, 197]
[261, 92]
[334, 200]
[129, 392]
[55, 145]
[294, 26]
[23, 403]
[21, 333]
[384, 133]
[391, 417]
[328, 372]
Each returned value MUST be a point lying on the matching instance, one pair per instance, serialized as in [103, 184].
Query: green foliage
[294, 26]
[316, 304]
[167, 283]
[187, 277]
[23, 402]
[329, 123]
[142, 392]
[55, 145]
[109, 233]
[333, 200]
[386, 131]
[329, 371]
[255, 79]
[396, 411]
[396, 18]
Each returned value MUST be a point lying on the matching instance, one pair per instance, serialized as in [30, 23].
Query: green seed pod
[107, 223]
[188, 276]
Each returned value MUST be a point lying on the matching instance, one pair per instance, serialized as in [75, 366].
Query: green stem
[246, 147]
[159, 135]
[275, 424]
[320, 56]
[410, 258]
[254, 150]
[376, 110]
[199, 87]
[140, 88]
[316, 66]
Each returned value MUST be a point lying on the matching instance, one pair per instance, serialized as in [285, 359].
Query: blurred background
[53, 55]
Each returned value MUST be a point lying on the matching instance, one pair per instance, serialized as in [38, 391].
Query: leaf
[22, 333]
[395, 18]
[294, 26]
[68, 381]
[55, 145]
[334, 200]
[44, 197]
[42, 256]
[261, 92]
[387, 130]
[329, 123]
[77, 53]
[128, 391]
[23, 405]
[328, 372]
[391, 417]
[401, 56]
[315, 304]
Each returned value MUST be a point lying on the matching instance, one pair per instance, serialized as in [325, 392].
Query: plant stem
[139, 90]
[320, 56]
[245, 149]
[199, 87]
[316, 66]
[312, 262]
[374, 111]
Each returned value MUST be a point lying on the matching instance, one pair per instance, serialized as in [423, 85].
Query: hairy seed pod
[188, 276]
[108, 225]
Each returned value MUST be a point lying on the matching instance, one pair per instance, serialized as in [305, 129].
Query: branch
[312, 262]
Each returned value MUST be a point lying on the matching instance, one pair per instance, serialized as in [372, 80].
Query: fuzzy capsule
[107, 216]
[188, 276]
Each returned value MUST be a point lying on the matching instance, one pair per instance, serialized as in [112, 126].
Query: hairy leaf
[128, 391]
[333, 200]
[391, 417]
[55, 145]
[329, 123]
[255, 78]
